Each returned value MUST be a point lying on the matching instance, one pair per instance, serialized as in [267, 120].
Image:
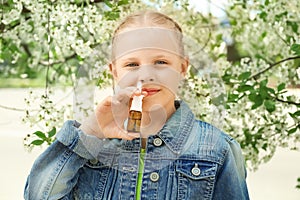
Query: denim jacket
[187, 160]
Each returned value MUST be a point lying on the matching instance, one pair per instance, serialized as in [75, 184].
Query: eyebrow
[160, 56]
[134, 59]
[128, 59]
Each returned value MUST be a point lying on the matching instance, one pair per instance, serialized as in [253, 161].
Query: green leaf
[293, 25]
[219, 100]
[267, 2]
[280, 87]
[40, 134]
[292, 130]
[257, 102]
[296, 49]
[37, 142]
[243, 88]
[265, 146]
[263, 91]
[270, 105]
[111, 15]
[226, 78]
[244, 76]
[232, 97]
[263, 15]
[278, 17]
[271, 90]
[252, 97]
[263, 35]
[261, 130]
[297, 113]
[52, 132]
[263, 83]
[108, 3]
[123, 2]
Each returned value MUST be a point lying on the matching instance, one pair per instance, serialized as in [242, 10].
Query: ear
[184, 66]
[113, 70]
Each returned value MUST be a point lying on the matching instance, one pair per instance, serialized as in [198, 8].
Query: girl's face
[160, 72]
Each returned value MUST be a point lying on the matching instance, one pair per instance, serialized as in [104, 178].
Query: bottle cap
[137, 101]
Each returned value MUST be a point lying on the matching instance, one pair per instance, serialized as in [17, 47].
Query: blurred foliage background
[244, 64]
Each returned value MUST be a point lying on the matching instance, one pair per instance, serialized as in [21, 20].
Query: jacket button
[196, 170]
[154, 176]
[157, 142]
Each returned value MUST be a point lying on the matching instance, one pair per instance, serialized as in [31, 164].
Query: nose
[147, 74]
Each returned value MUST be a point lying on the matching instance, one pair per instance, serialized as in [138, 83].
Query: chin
[152, 106]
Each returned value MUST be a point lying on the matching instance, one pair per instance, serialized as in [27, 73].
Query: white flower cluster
[266, 32]
[43, 113]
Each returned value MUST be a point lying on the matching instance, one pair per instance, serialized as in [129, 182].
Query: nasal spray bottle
[135, 113]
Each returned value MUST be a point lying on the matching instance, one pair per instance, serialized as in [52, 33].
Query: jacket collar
[178, 127]
[174, 133]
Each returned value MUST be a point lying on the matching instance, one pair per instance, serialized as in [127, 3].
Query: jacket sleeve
[231, 179]
[55, 172]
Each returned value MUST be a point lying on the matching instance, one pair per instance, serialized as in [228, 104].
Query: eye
[132, 64]
[160, 62]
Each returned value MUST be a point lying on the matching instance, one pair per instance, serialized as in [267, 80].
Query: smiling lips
[150, 91]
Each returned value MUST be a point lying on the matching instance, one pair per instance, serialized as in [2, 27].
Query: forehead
[148, 54]
[134, 40]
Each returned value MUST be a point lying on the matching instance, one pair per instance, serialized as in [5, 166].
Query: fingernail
[144, 93]
[116, 102]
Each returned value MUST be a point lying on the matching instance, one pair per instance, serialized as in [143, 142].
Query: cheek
[170, 79]
[125, 79]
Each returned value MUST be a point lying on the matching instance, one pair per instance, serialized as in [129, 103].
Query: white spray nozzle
[139, 86]
[137, 101]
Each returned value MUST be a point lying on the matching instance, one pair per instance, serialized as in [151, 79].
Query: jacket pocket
[195, 179]
[92, 181]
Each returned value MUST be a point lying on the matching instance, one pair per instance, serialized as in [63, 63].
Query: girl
[172, 156]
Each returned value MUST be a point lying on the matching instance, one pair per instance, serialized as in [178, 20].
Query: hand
[108, 119]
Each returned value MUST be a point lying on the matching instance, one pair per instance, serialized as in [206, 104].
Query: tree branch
[255, 76]
[11, 108]
[86, 3]
[26, 49]
[288, 102]
[47, 63]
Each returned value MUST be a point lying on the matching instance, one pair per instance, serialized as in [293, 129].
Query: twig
[206, 43]
[86, 3]
[276, 32]
[47, 63]
[255, 76]
[288, 102]
[11, 108]
[49, 41]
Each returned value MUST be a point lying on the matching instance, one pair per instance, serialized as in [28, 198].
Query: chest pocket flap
[196, 170]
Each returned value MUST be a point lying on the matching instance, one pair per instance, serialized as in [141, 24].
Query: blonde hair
[150, 19]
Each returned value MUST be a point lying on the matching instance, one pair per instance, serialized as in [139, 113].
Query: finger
[121, 134]
[103, 112]
[124, 95]
[138, 93]
[134, 135]
[105, 105]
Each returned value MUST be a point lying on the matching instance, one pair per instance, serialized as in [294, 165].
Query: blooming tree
[68, 41]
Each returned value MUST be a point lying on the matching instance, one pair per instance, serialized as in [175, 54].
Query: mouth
[150, 91]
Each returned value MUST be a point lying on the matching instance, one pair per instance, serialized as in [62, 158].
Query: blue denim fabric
[195, 161]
